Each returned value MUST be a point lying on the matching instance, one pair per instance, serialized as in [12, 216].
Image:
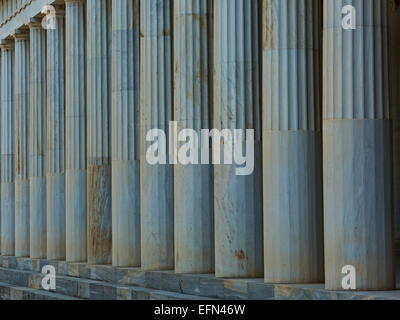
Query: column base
[126, 213]
[75, 213]
[194, 219]
[293, 208]
[22, 228]
[358, 203]
[7, 219]
[238, 221]
[55, 184]
[38, 235]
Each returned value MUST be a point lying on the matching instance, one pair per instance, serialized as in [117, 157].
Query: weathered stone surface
[7, 151]
[292, 142]
[21, 117]
[98, 28]
[125, 135]
[357, 161]
[75, 135]
[29, 283]
[318, 292]
[10, 292]
[395, 111]
[156, 181]
[37, 140]
[96, 282]
[55, 154]
[76, 184]
[193, 183]
[237, 199]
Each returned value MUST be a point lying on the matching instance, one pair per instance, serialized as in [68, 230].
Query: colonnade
[77, 102]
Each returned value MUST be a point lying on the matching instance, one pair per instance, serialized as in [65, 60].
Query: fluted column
[98, 131]
[238, 199]
[21, 91]
[37, 141]
[156, 181]
[193, 201]
[292, 146]
[357, 147]
[75, 110]
[125, 133]
[7, 149]
[395, 103]
[56, 140]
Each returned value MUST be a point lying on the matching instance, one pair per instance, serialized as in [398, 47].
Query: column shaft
[357, 147]
[56, 141]
[98, 138]
[125, 133]
[7, 151]
[156, 181]
[21, 91]
[193, 202]
[75, 109]
[395, 103]
[237, 199]
[292, 146]
[37, 143]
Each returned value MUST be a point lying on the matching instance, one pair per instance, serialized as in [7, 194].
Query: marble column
[156, 181]
[237, 198]
[98, 26]
[193, 201]
[37, 141]
[75, 132]
[125, 133]
[9, 8]
[21, 103]
[395, 103]
[56, 140]
[7, 150]
[357, 157]
[292, 142]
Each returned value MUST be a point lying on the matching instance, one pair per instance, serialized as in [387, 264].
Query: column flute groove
[37, 141]
[357, 147]
[7, 151]
[21, 91]
[395, 103]
[55, 158]
[292, 142]
[237, 199]
[98, 129]
[193, 202]
[125, 133]
[75, 110]
[156, 181]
